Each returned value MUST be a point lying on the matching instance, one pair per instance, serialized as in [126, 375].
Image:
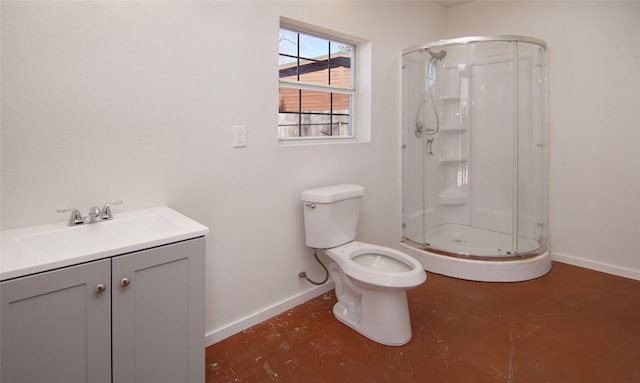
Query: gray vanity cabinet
[55, 326]
[158, 314]
[137, 317]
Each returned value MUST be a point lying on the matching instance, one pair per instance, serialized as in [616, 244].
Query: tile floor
[572, 325]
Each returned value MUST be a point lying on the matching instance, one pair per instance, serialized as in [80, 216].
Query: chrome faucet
[95, 214]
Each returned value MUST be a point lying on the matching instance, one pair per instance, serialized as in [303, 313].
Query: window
[316, 87]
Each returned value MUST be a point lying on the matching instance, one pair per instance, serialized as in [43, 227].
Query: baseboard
[259, 316]
[598, 266]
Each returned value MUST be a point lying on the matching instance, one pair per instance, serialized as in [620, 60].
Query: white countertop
[40, 248]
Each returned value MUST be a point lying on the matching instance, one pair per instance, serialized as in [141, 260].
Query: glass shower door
[532, 151]
[447, 162]
[493, 169]
[413, 207]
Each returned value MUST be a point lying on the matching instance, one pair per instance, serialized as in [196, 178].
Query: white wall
[104, 101]
[594, 120]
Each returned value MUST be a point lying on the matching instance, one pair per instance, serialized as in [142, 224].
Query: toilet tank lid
[334, 193]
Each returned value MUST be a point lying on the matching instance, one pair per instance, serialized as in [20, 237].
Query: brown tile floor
[573, 325]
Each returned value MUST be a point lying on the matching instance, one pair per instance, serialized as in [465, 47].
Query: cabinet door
[158, 314]
[56, 326]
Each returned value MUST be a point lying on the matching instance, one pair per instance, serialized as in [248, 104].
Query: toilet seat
[380, 266]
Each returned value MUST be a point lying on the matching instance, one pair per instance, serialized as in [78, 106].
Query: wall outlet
[239, 136]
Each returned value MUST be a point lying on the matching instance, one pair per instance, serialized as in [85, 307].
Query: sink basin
[95, 236]
[40, 248]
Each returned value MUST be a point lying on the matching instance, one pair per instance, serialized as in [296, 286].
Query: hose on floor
[303, 275]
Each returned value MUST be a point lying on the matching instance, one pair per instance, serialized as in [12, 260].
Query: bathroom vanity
[129, 307]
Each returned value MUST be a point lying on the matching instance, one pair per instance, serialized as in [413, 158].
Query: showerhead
[437, 56]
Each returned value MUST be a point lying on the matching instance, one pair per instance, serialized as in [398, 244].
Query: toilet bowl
[370, 280]
[371, 283]
[377, 266]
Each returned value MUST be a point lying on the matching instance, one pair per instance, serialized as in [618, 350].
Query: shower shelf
[452, 196]
[454, 129]
[450, 98]
[452, 159]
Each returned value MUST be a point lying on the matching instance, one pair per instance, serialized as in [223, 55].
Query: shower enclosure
[474, 157]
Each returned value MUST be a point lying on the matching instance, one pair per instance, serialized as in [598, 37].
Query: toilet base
[381, 315]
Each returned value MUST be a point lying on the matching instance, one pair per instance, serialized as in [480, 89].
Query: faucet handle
[106, 209]
[75, 218]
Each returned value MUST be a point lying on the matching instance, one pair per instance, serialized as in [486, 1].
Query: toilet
[371, 281]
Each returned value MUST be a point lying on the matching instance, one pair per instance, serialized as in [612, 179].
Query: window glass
[316, 86]
[311, 47]
[288, 46]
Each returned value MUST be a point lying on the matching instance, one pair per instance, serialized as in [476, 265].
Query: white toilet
[371, 281]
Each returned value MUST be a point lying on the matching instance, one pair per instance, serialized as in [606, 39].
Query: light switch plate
[239, 136]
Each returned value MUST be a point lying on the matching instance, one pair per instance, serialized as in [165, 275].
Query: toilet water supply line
[303, 275]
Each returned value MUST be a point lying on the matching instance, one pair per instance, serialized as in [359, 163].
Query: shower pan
[474, 157]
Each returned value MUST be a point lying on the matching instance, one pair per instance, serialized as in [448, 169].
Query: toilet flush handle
[311, 205]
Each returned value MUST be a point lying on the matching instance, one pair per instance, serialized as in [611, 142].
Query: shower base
[478, 255]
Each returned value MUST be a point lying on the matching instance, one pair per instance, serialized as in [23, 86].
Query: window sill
[306, 141]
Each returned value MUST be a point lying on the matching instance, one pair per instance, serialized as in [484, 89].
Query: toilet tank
[331, 215]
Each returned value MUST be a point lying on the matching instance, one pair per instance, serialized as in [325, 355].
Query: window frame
[328, 89]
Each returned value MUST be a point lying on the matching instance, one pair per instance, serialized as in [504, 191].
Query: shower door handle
[429, 147]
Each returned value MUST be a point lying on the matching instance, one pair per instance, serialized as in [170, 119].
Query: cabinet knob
[125, 282]
[100, 288]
